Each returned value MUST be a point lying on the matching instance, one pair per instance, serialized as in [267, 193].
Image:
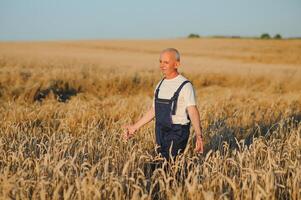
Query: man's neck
[173, 75]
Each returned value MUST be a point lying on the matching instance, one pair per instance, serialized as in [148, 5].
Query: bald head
[169, 62]
[174, 51]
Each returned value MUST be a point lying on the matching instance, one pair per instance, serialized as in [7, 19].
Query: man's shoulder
[183, 79]
[188, 91]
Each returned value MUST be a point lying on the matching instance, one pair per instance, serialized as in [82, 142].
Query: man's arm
[195, 120]
[131, 129]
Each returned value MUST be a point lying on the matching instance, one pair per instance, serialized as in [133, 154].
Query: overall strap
[158, 88]
[176, 95]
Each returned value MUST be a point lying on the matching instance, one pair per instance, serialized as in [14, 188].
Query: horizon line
[163, 38]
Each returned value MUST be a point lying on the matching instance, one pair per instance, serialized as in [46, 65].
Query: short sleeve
[189, 95]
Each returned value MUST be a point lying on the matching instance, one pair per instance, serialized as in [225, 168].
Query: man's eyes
[165, 62]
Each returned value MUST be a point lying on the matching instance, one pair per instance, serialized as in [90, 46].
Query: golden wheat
[62, 106]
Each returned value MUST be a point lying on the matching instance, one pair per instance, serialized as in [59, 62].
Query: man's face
[168, 63]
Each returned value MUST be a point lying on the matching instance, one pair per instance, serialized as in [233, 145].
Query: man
[174, 99]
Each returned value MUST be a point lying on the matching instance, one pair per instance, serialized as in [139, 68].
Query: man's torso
[186, 97]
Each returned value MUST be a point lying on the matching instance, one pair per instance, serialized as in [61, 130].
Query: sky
[152, 19]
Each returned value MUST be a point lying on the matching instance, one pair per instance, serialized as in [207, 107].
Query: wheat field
[63, 105]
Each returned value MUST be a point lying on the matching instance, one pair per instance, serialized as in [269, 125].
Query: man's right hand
[199, 146]
[129, 131]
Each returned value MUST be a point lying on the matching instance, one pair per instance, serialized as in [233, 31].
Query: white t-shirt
[186, 97]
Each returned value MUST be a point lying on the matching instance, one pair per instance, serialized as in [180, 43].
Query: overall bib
[171, 138]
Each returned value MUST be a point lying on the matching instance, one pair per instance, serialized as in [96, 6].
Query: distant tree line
[267, 36]
[193, 35]
[262, 36]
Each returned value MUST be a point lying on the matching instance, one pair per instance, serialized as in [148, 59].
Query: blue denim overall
[169, 135]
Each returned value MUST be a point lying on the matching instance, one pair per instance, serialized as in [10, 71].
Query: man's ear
[177, 64]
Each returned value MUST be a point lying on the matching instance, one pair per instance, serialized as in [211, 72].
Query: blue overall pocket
[163, 112]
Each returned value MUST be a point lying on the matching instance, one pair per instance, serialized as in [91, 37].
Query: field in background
[62, 105]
